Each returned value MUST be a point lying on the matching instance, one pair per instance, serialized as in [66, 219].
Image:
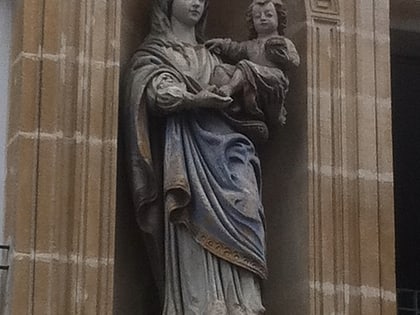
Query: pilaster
[61, 180]
[350, 203]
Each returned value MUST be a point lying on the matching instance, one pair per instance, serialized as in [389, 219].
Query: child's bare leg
[235, 84]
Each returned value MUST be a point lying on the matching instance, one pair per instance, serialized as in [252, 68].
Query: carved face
[265, 18]
[188, 12]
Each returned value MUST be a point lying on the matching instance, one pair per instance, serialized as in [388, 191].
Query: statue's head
[188, 12]
[279, 19]
[164, 11]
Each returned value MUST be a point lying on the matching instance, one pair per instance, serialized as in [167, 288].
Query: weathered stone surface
[329, 194]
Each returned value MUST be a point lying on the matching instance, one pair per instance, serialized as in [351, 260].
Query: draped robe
[214, 232]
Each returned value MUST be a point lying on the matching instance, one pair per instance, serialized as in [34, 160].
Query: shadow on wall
[285, 180]
[406, 138]
[134, 289]
[135, 292]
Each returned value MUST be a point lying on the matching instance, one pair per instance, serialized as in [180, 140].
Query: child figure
[261, 62]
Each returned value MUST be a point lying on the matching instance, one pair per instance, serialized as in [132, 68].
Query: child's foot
[212, 89]
[225, 90]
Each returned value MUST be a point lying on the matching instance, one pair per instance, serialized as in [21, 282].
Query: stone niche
[284, 160]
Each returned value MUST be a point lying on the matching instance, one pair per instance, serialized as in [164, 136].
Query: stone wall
[328, 174]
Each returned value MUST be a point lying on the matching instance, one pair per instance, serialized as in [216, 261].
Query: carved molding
[326, 166]
[325, 6]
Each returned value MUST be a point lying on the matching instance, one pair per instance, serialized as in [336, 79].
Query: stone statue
[266, 55]
[194, 172]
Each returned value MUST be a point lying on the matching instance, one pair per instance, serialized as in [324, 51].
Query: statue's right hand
[207, 99]
[215, 45]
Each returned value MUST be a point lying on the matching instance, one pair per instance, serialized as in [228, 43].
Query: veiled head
[162, 14]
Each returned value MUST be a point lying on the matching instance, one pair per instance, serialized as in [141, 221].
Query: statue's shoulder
[151, 51]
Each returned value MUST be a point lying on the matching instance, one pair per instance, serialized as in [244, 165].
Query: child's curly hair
[281, 15]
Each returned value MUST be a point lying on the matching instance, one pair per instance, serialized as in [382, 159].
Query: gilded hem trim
[221, 250]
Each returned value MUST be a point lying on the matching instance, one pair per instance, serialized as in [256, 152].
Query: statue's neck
[268, 35]
[184, 33]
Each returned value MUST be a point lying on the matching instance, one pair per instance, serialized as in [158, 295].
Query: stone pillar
[350, 198]
[60, 195]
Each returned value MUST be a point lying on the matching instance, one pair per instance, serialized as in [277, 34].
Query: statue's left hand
[207, 99]
[278, 51]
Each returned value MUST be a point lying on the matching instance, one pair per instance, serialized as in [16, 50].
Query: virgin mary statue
[194, 173]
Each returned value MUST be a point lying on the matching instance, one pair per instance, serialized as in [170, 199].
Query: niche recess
[284, 161]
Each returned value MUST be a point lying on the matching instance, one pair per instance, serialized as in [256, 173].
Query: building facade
[329, 193]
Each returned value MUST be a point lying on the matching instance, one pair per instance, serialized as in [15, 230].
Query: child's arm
[281, 51]
[225, 47]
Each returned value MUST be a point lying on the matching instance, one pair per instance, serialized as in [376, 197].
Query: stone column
[350, 199]
[61, 177]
